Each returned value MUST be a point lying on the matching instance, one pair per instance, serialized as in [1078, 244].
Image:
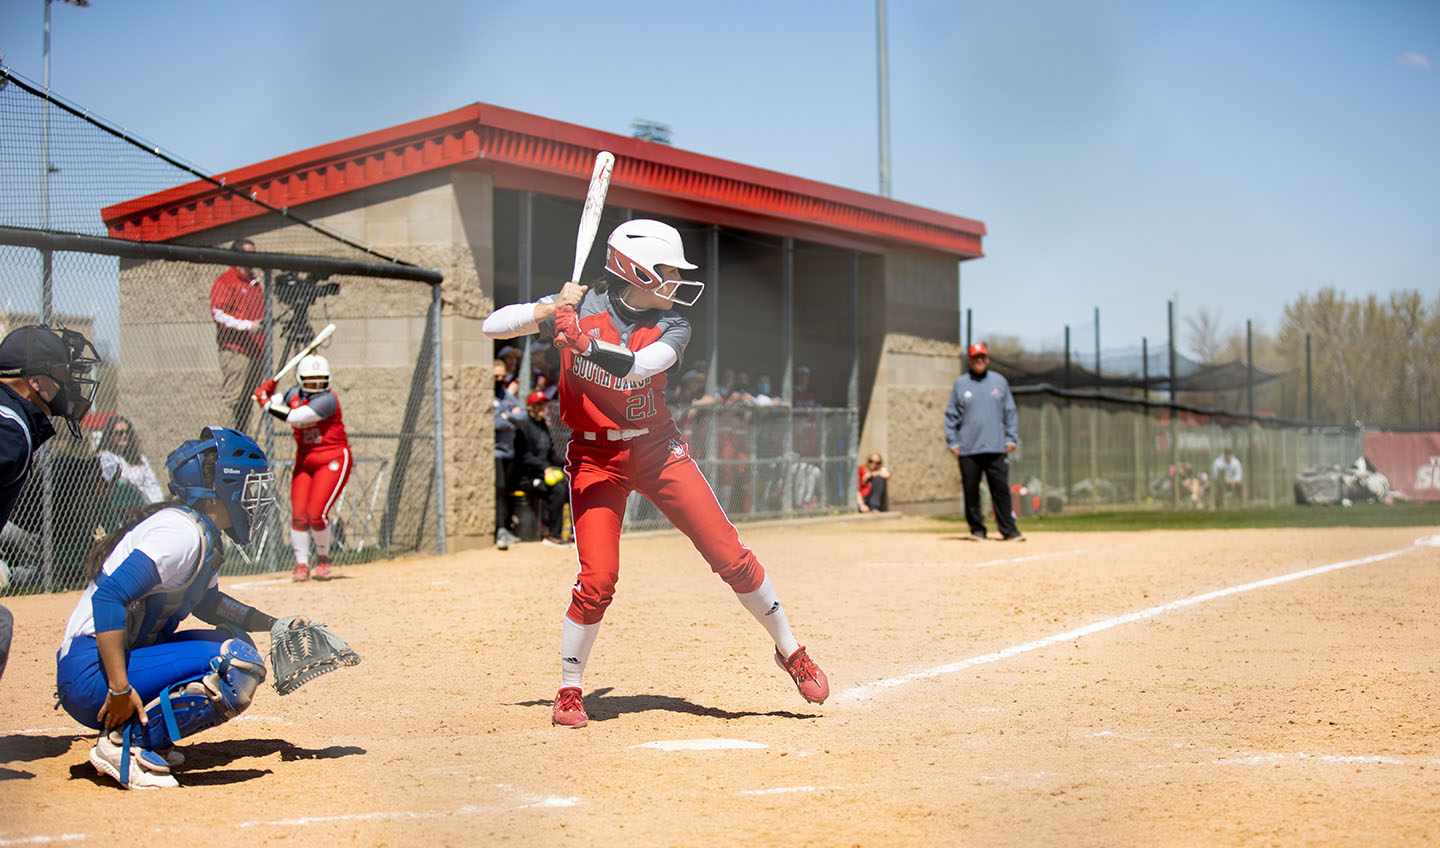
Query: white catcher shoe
[148, 770]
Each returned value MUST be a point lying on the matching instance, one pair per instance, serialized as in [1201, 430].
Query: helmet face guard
[313, 373]
[637, 249]
[683, 292]
[77, 394]
[241, 480]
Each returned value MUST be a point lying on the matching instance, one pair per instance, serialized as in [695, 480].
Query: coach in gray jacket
[981, 429]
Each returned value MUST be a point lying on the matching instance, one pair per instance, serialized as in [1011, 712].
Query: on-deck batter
[615, 346]
[322, 459]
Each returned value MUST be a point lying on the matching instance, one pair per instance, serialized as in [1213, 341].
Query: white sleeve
[172, 542]
[651, 360]
[225, 319]
[507, 322]
[302, 416]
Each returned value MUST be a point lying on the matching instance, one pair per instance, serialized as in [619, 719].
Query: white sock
[322, 542]
[576, 640]
[764, 604]
[300, 541]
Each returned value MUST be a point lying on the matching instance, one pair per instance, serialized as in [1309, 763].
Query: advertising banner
[1411, 462]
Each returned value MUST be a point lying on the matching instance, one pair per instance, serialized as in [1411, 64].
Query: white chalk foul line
[866, 690]
[43, 840]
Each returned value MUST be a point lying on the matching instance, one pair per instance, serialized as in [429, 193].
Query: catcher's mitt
[301, 654]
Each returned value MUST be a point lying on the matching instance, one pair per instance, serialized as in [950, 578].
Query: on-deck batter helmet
[537, 396]
[636, 247]
[313, 372]
[228, 466]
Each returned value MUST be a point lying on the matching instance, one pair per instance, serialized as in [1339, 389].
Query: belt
[615, 435]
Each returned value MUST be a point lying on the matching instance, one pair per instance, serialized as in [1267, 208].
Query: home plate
[700, 744]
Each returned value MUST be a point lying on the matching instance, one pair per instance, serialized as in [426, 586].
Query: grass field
[1360, 515]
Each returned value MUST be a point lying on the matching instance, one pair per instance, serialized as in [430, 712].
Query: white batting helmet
[636, 247]
[313, 373]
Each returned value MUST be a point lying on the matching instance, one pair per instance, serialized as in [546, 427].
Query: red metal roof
[526, 151]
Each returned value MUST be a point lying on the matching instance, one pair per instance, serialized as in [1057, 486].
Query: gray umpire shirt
[981, 415]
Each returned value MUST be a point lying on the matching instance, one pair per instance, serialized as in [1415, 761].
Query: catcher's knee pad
[190, 706]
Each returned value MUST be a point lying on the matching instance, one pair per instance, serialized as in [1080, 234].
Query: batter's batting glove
[264, 392]
[568, 333]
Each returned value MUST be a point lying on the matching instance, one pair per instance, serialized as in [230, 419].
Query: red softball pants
[320, 476]
[658, 466]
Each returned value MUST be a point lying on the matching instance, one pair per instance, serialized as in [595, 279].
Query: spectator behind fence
[43, 372]
[507, 412]
[538, 467]
[982, 428]
[1229, 477]
[237, 305]
[1192, 485]
[803, 395]
[510, 355]
[122, 462]
[874, 481]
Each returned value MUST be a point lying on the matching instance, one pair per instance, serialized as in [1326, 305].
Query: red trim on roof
[528, 152]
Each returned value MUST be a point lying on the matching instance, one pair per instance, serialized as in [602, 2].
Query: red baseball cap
[979, 349]
[537, 396]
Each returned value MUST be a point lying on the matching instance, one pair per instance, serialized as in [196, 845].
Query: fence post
[1094, 453]
[1274, 481]
[1135, 432]
[1044, 452]
[438, 399]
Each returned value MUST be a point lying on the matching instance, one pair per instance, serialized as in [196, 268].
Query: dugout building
[863, 290]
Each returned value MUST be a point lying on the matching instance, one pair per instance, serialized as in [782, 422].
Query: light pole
[882, 79]
[47, 309]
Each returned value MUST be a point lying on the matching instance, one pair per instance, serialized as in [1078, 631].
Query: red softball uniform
[236, 297]
[623, 439]
[322, 458]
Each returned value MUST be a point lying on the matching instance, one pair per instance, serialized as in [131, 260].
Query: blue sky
[1231, 155]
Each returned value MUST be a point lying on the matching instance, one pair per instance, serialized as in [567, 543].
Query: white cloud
[1414, 61]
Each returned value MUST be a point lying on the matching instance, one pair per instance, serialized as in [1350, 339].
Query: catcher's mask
[634, 250]
[228, 466]
[65, 356]
[313, 372]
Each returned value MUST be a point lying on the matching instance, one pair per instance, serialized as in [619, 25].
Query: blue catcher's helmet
[240, 479]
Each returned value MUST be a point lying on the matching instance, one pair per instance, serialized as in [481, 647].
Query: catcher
[124, 669]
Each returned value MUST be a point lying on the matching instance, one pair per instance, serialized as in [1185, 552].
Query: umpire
[981, 429]
[43, 372]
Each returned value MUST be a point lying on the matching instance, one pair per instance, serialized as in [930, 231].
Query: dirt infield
[1076, 689]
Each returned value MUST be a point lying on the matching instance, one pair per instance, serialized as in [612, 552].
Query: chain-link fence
[1081, 451]
[761, 461]
[151, 310]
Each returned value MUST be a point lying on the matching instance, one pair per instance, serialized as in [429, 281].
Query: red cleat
[322, 568]
[302, 573]
[569, 708]
[808, 677]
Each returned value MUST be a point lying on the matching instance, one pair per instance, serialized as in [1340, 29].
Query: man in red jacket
[237, 303]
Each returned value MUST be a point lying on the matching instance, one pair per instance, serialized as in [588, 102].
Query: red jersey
[594, 400]
[329, 431]
[236, 296]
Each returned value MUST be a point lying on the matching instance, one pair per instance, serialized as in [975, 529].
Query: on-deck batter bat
[594, 205]
[319, 339]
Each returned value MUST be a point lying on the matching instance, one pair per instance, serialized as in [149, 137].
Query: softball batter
[322, 459]
[615, 346]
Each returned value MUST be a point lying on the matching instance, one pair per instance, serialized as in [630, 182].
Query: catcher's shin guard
[190, 706]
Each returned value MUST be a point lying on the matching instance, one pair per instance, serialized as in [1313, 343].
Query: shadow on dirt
[202, 761]
[24, 748]
[601, 705]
